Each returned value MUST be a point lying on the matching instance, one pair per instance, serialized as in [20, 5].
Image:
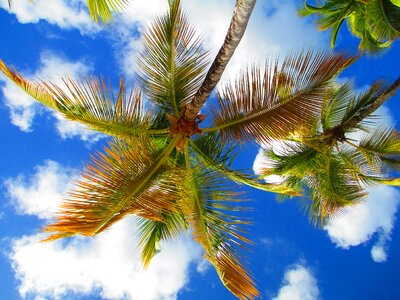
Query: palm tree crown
[162, 167]
[333, 162]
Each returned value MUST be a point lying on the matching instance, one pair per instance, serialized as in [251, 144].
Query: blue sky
[355, 257]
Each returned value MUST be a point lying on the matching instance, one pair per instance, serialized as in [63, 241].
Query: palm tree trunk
[380, 99]
[240, 18]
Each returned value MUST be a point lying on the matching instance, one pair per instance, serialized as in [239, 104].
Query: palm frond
[172, 61]
[338, 104]
[381, 147]
[326, 181]
[104, 9]
[358, 167]
[359, 103]
[33, 89]
[124, 179]
[331, 187]
[213, 212]
[295, 160]
[214, 156]
[391, 11]
[274, 103]
[152, 233]
[93, 103]
[383, 17]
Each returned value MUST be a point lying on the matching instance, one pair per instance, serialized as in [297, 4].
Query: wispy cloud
[66, 14]
[298, 284]
[41, 193]
[107, 265]
[357, 225]
[274, 27]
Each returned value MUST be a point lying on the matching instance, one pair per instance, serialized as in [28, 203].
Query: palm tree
[101, 9]
[375, 22]
[334, 161]
[163, 168]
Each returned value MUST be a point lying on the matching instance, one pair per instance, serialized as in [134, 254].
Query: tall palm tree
[375, 22]
[160, 165]
[334, 161]
[100, 9]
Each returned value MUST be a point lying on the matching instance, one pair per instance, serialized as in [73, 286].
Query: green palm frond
[213, 212]
[124, 179]
[332, 12]
[274, 103]
[357, 104]
[93, 103]
[337, 106]
[214, 156]
[360, 27]
[152, 233]
[331, 187]
[375, 22]
[358, 166]
[381, 147]
[172, 61]
[377, 13]
[104, 9]
[295, 160]
[391, 11]
[326, 181]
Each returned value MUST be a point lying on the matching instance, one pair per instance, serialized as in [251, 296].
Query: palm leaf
[359, 103]
[92, 103]
[327, 183]
[124, 179]
[383, 17]
[391, 11]
[172, 61]
[104, 9]
[212, 211]
[217, 158]
[381, 147]
[294, 160]
[331, 187]
[274, 103]
[152, 233]
[339, 103]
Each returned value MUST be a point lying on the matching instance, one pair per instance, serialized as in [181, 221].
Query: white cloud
[378, 253]
[23, 108]
[66, 14]
[357, 225]
[298, 284]
[41, 193]
[274, 27]
[107, 264]
[281, 30]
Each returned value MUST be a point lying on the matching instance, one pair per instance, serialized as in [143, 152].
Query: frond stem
[161, 159]
[379, 100]
[238, 178]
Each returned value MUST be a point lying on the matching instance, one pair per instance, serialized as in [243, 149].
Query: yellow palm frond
[125, 179]
[213, 213]
[92, 103]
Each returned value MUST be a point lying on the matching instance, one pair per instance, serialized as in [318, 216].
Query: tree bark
[380, 99]
[237, 27]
